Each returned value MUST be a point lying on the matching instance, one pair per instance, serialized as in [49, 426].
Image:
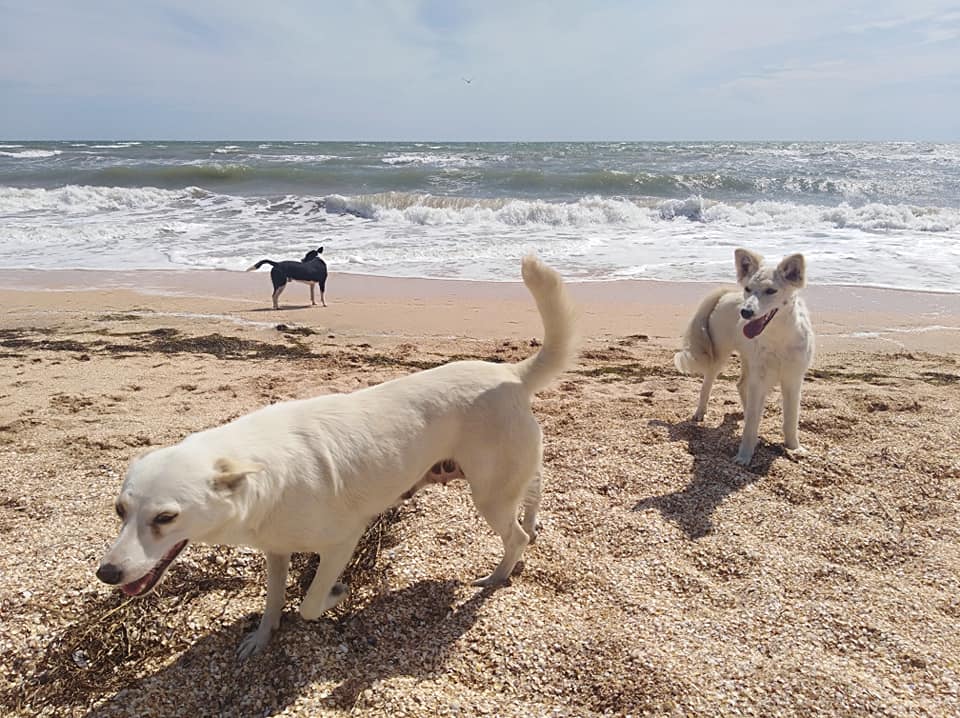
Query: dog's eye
[746, 290]
[770, 290]
[164, 518]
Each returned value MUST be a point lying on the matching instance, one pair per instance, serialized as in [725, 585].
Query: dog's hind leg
[324, 593]
[508, 482]
[709, 376]
[279, 280]
[531, 505]
[277, 291]
[277, 566]
[501, 513]
[501, 481]
[790, 389]
[313, 301]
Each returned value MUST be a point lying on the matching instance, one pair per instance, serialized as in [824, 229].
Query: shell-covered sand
[666, 580]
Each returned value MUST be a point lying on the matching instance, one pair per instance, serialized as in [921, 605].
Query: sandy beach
[667, 580]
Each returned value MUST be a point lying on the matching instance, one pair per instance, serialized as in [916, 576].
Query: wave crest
[79, 199]
[400, 207]
[30, 154]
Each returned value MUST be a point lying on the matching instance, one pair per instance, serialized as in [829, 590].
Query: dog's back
[312, 267]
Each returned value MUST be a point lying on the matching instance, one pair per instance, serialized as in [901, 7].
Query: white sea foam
[293, 159]
[116, 145]
[32, 154]
[442, 160]
[412, 234]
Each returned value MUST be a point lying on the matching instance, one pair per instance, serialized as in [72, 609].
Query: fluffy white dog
[309, 475]
[768, 326]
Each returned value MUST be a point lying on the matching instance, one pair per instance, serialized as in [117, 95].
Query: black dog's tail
[261, 263]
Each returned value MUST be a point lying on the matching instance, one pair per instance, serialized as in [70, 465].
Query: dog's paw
[309, 612]
[698, 416]
[252, 644]
[491, 580]
[532, 530]
[798, 452]
[743, 458]
[338, 593]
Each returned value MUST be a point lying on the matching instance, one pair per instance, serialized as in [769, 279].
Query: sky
[495, 70]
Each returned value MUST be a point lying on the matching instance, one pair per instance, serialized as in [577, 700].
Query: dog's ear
[793, 270]
[747, 263]
[229, 473]
[320, 251]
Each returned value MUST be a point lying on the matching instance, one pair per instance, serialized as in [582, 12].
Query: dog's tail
[261, 263]
[558, 317]
[697, 354]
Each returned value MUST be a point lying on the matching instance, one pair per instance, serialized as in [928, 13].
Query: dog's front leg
[324, 593]
[277, 566]
[755, 396]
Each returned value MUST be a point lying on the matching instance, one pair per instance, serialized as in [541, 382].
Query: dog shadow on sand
[409, 631]
[715, 474]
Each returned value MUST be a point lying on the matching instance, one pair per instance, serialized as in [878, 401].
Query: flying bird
[468, 80]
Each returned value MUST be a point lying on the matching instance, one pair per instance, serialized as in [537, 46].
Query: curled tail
[558, 317]
[698, 351]
[261, 263]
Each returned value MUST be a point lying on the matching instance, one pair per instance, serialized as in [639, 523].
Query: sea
[863, 213]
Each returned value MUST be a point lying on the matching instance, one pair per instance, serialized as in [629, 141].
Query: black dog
[311, 270]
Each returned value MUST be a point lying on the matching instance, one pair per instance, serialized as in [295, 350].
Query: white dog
[768, 326]
[309, 475]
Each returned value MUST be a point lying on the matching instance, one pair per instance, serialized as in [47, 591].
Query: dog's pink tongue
[753, 329]
[135, 587]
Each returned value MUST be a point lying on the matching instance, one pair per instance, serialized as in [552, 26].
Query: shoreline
[13, 273]
[856, 318]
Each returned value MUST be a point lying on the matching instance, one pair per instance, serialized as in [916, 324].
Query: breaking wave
[404, 208]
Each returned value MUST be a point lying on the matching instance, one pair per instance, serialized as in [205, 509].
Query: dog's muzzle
[113, 575]
[746, 313]
[108, 573]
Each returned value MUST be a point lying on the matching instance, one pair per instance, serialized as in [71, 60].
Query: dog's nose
[108, 573]
[746, 313]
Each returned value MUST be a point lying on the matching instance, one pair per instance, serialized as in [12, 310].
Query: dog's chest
[776, 351]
